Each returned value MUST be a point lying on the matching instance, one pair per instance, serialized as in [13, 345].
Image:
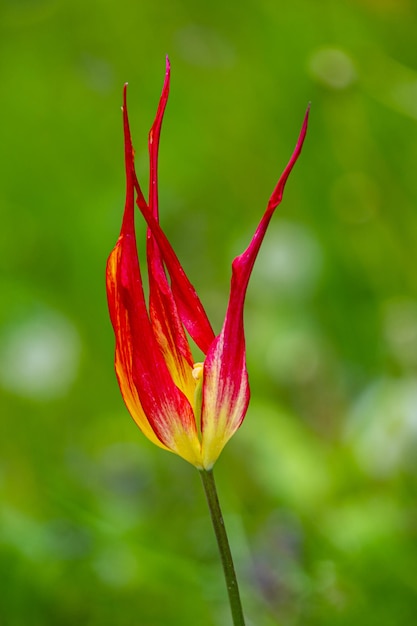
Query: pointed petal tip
[276, 195]
[124, 96]
[167, 66]
[306, 118]
[303, 131]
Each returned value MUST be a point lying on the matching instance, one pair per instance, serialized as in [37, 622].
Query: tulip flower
[191, 409]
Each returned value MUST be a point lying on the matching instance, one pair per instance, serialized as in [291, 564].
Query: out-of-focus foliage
[97, 526]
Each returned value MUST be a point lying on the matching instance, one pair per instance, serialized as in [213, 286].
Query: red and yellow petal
[225, 393]
[225, 383]
[167, 326]
[124, 349]
[158, 406]
[166, 323]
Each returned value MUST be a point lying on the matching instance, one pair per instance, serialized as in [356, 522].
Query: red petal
[225, 387]
[164, 314]
[153, 142]
[139, 358]
[141, 361]
[189, 307]
[167, 327]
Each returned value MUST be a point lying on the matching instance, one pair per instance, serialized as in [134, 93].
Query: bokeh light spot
[289, 263]
[332, 67]
[39, 356]
[382, 427]
[199, 45]
[400, 330]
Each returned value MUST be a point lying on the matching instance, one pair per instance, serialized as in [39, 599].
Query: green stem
[224, 548]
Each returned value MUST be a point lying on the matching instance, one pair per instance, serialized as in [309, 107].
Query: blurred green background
[99, 527]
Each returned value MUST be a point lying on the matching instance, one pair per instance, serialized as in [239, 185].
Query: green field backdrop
[97, 526]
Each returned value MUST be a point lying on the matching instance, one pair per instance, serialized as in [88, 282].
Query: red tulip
[190, 409]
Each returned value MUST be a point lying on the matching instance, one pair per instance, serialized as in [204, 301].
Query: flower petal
[153, 143]
[167, 326]
[188, 304]
[190, 309]
[160, 409]
[225, 382]
[124, 347]
[165, 319]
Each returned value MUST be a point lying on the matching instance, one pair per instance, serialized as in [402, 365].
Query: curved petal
[153, 143]
[163, 411]
[225, 382]
[165, 319]
[167, 326]
[124, 348]
[188, 304]
[190, 309]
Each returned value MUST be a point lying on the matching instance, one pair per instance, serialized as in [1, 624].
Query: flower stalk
[210, 490]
